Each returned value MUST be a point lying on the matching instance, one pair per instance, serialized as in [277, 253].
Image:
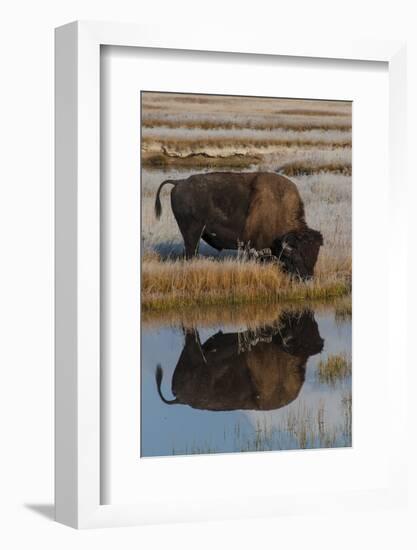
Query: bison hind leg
[192, 232]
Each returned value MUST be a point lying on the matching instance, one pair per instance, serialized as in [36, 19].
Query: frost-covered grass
[255, 122]
[217, 149]
[205, 112]
[227, 103]
[327, 200]
[247, 134]
[181, 131]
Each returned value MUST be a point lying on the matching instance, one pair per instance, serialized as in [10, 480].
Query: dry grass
[183, 130]
[301, 123]
[302, 168]
[336, 367]
[238, 148]
[300, 427]
[328, 136]
[199, 160]
[230, 112]
[173, 284]
[313, 112]
[178, 148]
[174, 101]
[343, 311]
[183, 146]
[307, 160]
[239, 161]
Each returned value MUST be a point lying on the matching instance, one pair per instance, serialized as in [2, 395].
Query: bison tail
[158, 377]
[158, 206]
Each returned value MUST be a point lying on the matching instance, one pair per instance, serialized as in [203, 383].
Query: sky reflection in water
[241, 389]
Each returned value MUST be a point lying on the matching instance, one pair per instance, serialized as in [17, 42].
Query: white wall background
[26, 274]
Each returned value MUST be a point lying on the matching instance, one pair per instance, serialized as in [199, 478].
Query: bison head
[297, 251]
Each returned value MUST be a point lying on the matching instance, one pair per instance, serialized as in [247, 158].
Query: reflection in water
[260, 370]
[299, 364]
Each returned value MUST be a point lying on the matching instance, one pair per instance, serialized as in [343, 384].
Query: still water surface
[231, 388]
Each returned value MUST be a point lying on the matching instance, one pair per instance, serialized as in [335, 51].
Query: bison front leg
[191, 233]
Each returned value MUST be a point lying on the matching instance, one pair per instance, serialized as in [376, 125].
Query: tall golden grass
[203, 281]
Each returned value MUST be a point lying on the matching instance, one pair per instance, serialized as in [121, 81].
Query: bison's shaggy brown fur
[275, 208]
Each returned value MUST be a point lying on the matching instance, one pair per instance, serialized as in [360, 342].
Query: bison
[260, 369]
[226, 209]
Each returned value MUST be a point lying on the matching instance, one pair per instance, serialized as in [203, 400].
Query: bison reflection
[262, 369]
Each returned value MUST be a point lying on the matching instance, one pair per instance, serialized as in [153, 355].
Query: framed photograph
[227, 309]
[260, 292]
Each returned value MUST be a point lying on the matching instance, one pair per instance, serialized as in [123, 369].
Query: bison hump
[275, 207]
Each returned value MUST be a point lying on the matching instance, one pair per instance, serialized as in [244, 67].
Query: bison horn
[286, 246]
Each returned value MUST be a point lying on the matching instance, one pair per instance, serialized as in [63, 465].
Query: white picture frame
[77, 242]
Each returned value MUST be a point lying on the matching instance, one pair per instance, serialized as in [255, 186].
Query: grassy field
[179, 283]
[309, 141]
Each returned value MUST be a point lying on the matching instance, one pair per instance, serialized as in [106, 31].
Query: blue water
[168, 429]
